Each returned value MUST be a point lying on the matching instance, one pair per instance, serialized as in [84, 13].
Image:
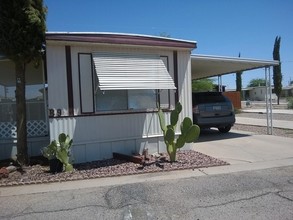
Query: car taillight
[195, 110]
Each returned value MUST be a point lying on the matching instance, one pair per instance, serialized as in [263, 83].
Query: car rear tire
[225, 129]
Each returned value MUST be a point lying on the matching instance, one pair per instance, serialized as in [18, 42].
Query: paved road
[263, 194]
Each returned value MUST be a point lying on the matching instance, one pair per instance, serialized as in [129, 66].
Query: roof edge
[236, 59]
[120, 38]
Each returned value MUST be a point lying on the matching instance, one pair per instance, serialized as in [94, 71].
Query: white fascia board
[126, 34]
[204, 66]
[233, 59]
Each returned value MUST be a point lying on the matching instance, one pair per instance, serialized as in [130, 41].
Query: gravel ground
[39, 173]
[285, 117]
[263, 129]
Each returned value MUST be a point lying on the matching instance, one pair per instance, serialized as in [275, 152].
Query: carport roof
[203, 66]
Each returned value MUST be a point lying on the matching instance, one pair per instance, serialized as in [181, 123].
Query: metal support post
[268, 97]
[220, 88]
[270, 102]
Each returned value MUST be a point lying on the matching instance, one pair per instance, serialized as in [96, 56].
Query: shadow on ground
[215, 135]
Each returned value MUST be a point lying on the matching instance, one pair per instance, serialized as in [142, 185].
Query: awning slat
[121, 71]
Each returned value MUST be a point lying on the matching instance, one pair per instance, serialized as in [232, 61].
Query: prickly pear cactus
[63, 154]
[189, 131]
[61, 150]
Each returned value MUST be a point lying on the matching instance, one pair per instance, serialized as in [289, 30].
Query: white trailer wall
[97, 136]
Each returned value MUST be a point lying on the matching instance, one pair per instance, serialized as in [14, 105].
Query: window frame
[128, 110]
[92, 84]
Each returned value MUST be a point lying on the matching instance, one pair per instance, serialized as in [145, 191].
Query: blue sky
[224, 28]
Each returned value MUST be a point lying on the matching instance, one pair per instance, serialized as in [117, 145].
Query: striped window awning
[122, 71]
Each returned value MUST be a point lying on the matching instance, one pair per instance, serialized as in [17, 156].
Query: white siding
[108, 127]
[57, 78]
[96, 137]
[185, 86]
[259, 94]
[184, 83]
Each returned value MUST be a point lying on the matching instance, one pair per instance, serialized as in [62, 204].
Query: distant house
[257, 93]
[287, 91]
[103, 89]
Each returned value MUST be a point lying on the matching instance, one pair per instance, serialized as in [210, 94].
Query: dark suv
[213, 109]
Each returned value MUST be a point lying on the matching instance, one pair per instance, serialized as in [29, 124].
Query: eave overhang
[204, 66]
[117, 38]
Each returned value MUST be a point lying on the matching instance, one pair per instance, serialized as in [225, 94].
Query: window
[164, 94]
[121, 71]
[117, 100]
[142, 99]
[131, 82]
[35, 101]
[111, 100]
[85, 67]
[207, 97]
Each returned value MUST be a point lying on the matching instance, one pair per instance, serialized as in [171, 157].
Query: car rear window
[207, 97]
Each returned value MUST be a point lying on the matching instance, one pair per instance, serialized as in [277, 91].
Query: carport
[204, 66]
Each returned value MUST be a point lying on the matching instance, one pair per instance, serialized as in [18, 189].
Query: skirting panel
[86, 152]
[8, 147]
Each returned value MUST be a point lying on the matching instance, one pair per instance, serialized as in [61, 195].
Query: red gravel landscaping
[38, 171]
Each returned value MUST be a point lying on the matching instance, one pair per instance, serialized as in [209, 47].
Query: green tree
[239, 81]
[277, 74]
[22, 34]
[202, 85]
[257, 82]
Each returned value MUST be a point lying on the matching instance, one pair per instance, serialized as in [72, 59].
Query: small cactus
[189, 131]
[61, 150]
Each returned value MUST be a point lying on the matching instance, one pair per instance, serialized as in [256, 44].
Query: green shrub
[237, 111]
[290, 102]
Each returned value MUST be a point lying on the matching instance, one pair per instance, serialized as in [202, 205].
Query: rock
[156, 155]
[4, 173]
[11, 168]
